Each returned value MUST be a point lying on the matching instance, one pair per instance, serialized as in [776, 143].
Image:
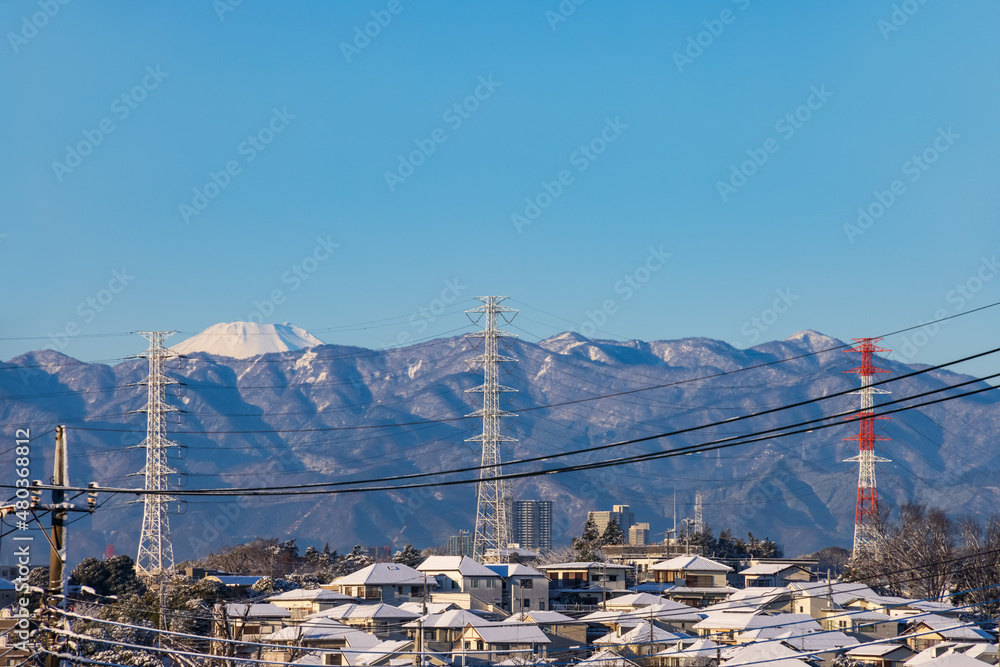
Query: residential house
[866, 624]
[772, 654]
[554, 624]
[643, 639]
[385, 582]
[491, 643]
[248, 622]
[775, 600]
[523, 588]
[604, 576]
[301, 602]
[724, 626]
[606, 658]
[688, 652]
[464, 581]
[379, 619]
[930, 630]
[441, 632]
[317, 633]
[979, 650]
[888, 654]
[772, 575]
[694, 580]
[632, 601]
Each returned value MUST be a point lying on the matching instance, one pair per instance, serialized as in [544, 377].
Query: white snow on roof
[878, 650]
[750, 598]
[607, 658]
[355, 611]
[641, 634]
[461, 564]
[690, 649]
[515, 570]
[952, 660]
[312, 595]
[383, 574]
[542, 618]
[236, 611]
[772, 653]
[243, 340]
[769, 568]
[692, 564]
[951, 629]
[634, 600]
[511, 633]
[456, 618]
[580, 565]
[432, 607]
[978, 650]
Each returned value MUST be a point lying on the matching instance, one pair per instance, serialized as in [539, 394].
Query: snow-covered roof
[978, 650]
[750, 597]
[432, 607]
[456, 618]
[384, 574]
[641, 634]
[543, 618]
[382, 650]
[461, 564]
[736, 620]
[515, 570]
[772, 653]
[374, 611]
[634, 600]
[668, 611]
[770, 568]
[777, 629]
[818, 641]
[692, 564]
[511, 633]
[310, 595]
[842, 593]
[951, 629]
[317, 628]
[580, 565]
[607, 658]
[952, 660]
[690, 649]
[237, 611]
[878, 650]
[869, 650]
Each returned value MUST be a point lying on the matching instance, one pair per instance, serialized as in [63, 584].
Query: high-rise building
[638, 535]
[620, 513]
[461, 544]
[533, 524]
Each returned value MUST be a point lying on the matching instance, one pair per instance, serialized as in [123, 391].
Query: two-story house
[523, 588]
[385, 582]
[464, 581]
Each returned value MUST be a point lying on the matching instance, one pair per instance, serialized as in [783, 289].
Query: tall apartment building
[620, 513]
[461, 544]
[533, 524]
[638, 535]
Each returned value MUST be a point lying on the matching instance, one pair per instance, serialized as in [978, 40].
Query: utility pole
[56, 592]
[493, 495]
[57, 554]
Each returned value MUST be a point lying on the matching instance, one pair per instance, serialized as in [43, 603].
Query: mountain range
[324, 413]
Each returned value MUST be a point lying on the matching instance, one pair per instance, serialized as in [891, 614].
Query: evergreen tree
[613, 534]
[408, 556]
[585, 547]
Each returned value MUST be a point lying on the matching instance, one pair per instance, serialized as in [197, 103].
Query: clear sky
[179, 164]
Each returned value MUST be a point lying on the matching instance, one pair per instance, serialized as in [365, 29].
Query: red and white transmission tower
[866, 513]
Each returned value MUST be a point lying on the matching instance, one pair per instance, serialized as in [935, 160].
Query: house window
[541, 605]
[527, 604]
[527, 583]
[490, 583]
[475, 583]
[612, 577]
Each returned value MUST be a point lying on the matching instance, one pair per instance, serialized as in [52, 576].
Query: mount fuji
[242, 340]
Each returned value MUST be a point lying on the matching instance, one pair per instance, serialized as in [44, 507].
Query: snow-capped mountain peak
[243, 340]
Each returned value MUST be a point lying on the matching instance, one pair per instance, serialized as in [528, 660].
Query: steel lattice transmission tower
[156, 553]
[866, 514]
[494, 501]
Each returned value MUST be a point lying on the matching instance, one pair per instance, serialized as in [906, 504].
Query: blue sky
[640, 109]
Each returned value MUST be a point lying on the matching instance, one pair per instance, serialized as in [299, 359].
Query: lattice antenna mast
[494, 501]
[866, 513]
[156, 553]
